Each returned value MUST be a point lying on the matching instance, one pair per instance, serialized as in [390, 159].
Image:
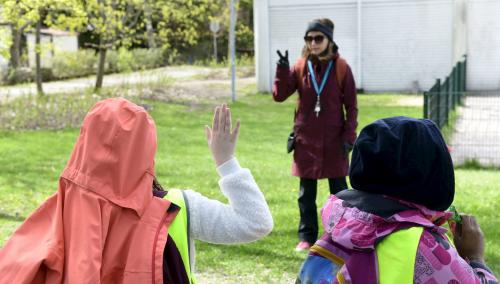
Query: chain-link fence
[472, 119]
[476, 131]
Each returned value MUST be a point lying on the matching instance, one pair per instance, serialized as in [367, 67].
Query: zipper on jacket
[154, 243]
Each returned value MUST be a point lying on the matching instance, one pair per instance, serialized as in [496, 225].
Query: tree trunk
[38, 59]
[15, 49]
[100, 68]
[102, 49]
[149, 24]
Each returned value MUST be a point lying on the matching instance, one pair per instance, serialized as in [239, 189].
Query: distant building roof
[54, 32]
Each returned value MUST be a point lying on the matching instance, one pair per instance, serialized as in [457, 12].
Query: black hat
[405, 158]
[319, 27]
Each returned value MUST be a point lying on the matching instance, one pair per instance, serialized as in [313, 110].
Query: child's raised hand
[221, 140]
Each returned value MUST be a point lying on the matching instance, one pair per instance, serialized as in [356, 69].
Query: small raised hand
[221, 139]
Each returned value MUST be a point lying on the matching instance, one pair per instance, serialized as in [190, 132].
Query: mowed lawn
[31, 161]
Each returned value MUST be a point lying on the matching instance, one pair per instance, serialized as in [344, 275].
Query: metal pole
[215, 47]
[232, 44]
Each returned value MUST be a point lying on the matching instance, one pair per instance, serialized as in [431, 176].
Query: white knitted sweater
[245, 219]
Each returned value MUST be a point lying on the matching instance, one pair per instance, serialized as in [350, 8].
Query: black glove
[283, 62]
[347, 148]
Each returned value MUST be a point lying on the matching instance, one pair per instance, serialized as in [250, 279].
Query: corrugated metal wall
[403, 42]
[288, 23]
[406, 44]
[483, 45]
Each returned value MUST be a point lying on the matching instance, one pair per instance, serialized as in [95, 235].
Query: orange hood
[103, 224]
[114, 154]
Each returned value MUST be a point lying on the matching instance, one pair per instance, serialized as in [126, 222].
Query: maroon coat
[319, 140]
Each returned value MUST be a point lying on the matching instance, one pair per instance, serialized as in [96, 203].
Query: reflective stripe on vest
[396, 256]
[178, 230]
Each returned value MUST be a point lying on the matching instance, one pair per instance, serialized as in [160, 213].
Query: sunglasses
[317, 39]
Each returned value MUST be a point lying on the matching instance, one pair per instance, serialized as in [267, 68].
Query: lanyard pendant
[317, 108]
[318, 89]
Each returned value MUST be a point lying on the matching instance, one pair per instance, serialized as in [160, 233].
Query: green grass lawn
[31, 161]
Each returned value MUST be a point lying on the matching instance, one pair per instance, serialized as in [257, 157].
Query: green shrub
[56, 111]
[123, 60]
[27, 75]
[148, 58]
[111, 62]
[126, 61]
[84, 62]
[74, 64]
[47, 74]
[44, 112]
[241, 60]
[20, 75]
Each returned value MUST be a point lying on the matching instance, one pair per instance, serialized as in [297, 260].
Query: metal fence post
[447, 87]
[465, 73]
[456, 80]
[426, 104]
[438, 94]
[464, 82]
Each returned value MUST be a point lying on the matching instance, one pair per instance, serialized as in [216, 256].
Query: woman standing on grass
[325, 119]
[111, 222]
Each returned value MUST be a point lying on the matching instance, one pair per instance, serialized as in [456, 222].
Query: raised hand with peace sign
[283, 61]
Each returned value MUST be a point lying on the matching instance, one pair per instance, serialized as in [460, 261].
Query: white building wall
[288, 22]
[51, 45]
[483, 45]
[67, 43]
[459, 30]
[45, 42]
[405, 43]
[261, 45]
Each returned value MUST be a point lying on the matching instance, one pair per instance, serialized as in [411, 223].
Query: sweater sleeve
[245, 219]
[351, 107]
[438, 261]
[285, 83]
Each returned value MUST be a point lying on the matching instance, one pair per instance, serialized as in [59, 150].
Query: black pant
[308, 226]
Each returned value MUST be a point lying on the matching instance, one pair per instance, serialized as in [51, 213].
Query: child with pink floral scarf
[402, 177]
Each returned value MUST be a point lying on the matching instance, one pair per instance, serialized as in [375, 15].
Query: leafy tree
[115, 23]
[16, 14]
[176, 31]
[25, 15]
[182, 23]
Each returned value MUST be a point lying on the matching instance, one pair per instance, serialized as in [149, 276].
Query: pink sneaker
[303, 245]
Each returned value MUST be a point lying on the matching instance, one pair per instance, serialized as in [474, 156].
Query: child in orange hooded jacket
[103, 225]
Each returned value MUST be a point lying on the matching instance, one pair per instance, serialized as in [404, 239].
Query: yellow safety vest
[394, 265]
[178, 230]
[396, 256]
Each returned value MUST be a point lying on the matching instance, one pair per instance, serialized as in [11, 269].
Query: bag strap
[340, 71]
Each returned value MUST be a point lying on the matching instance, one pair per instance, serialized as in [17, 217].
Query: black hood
[405, 158]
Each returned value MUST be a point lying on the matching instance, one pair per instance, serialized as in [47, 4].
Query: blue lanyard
[313, 77]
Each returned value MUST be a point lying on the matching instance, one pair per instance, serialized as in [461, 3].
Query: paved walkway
[176, 72]
[477, 130]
